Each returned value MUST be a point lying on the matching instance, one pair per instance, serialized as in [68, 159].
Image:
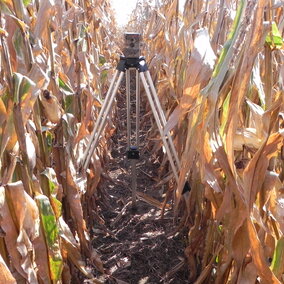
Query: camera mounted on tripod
[133, 60]
[132, 44]
[131, 51]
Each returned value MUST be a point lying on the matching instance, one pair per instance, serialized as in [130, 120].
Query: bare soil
[136, 245]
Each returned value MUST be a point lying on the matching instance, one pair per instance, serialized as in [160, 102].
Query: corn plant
[53, 77]
[218, 69]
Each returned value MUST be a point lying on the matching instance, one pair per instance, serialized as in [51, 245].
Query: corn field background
[218, 69]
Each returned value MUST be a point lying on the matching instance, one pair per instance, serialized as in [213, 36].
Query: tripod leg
[137, 107]
[101, 114]
[159, 124]
[162, 116]
[128, 107]
[133, 182]
[100, 124]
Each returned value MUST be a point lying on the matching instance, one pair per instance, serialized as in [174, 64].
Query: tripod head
[132, 45]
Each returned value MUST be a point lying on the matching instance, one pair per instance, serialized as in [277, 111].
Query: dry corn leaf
[3, 112]
[5, 274]
[246, 137]
[43, 16]
[258, 256]
[71, 246]
[200, 68]
[20, 259]
[254, 172]
[274, 197]
[247, 274]
[73, 196]
[42, 258]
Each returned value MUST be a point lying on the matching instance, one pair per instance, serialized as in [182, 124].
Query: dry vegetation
[219, 72]
[218, 68]
[53, 75]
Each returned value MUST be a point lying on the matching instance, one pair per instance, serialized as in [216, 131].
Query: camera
[132, 45]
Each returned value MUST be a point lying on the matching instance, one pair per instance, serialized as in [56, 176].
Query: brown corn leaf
[200, 67]
[9, 135]
[5, 274]
[27, 217]
[43, 16]
[240, 245]
[11, 235]
[247, 274]
[254, 173]
[73, 196]
[3, 112]
[246, 137]
[41, 258]
[72, 248]
[258, 256]
[274, 197]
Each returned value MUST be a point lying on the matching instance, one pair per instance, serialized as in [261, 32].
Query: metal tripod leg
[101, 112]
[162, 117]
[159, 124]
[101, 120]
[133, 160]
[137, 108]
[133, 182]
[128, 106]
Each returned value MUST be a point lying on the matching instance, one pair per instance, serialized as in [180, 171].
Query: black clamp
[133, 153]
[128, 62]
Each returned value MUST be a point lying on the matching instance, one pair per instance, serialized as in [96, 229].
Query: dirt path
[139, 246]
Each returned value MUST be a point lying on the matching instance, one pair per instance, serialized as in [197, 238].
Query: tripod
[124, 66]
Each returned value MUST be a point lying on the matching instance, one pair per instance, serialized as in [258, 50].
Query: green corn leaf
[49, 137]
[274, 38]
[223, 65]
[51, 233]
[51, 182]
[225, 113]
[26, 2]
[102, 60]
[22, 85]
[69, 104]
[104, 75]
[234, 30]
[65, 87]
[278, 258]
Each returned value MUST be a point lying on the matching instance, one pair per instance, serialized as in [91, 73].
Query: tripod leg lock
[142, 65]
[121, 66]
[133, 153]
